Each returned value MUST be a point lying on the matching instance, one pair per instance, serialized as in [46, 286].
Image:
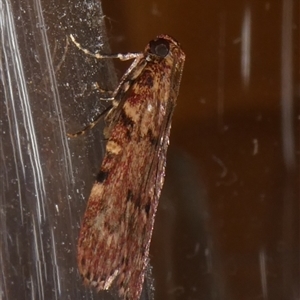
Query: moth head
[162, 47]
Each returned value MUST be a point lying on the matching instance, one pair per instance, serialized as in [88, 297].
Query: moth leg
[103, 91]
[121, 56]
[120, 90]
[122, 87]
[91, 125]
[63, 56]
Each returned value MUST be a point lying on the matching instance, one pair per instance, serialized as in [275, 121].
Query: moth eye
[160, 47]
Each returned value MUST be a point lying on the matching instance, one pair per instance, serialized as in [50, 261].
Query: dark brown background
[228, 220]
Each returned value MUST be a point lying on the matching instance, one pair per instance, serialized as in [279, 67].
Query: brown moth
[116, 231]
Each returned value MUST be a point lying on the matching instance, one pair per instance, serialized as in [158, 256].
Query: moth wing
[117, 226]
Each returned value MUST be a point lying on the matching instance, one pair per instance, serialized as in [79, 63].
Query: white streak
[263, 273]
[288, 136]
[246, 47]
[255, 144]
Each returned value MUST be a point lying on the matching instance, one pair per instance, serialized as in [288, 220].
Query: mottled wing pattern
[116, 231]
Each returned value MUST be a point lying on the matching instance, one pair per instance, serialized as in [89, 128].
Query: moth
[116, 230]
